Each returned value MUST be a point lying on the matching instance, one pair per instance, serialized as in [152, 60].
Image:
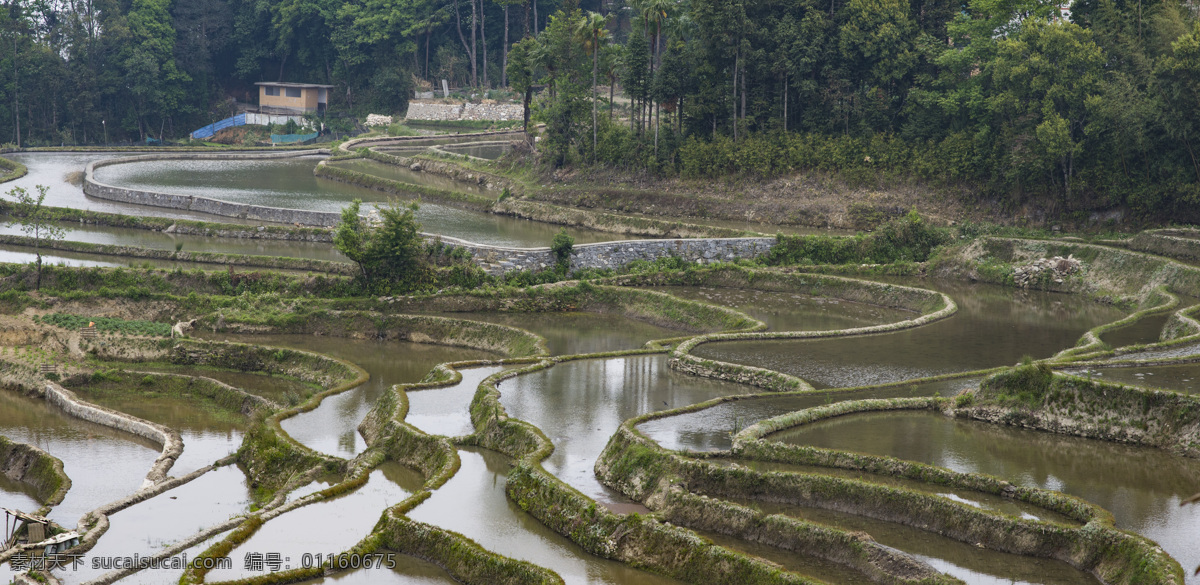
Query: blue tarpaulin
[208, 131]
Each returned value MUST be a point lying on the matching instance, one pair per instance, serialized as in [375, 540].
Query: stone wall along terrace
[498, 112]
[499, 260]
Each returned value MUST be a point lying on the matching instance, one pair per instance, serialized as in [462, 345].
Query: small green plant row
[115, 325]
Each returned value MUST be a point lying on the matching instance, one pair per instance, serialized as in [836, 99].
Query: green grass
[107, 324]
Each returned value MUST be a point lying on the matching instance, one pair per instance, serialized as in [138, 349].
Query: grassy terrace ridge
[455, 167]
[11, 170]
[1112, 555]
[930, 306]
[266, 445]
[181, 226]
[36, 468]
[217, 259]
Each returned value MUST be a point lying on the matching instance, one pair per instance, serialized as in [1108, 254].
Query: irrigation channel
[730, 424]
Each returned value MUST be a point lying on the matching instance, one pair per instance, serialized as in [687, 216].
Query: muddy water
[104, 465]
[993, 327]
[473, 503]
[1142, 487]
[446, 411]
[95, 234]
[974, 565]
[783, 311]
[1144, 330]
[580, 404]
[405, 175]
[18, 495]
[963, 496]
[488, 151]
[281, 389]
[22, 255]
[407, 571]
[712, 429]
[148, 527]
[325, 527]
[332, 427]
[25, 255]
[809, 566]
[573, 333]
[52, 170]
[290, 183]
[1181, 378]
[208, 432]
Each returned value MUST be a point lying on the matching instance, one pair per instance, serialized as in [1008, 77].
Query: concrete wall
[94, 188]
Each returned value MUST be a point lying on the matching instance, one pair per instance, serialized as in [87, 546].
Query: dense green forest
[1086, 105]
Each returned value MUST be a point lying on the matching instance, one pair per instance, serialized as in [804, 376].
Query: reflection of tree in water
[1138, 485]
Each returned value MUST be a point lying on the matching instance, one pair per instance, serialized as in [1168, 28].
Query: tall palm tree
[592, 29]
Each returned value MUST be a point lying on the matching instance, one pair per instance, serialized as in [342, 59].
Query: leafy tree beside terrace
[389, 252]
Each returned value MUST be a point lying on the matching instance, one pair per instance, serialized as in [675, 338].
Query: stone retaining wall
[94, 188]
[469, 111]
[498, 260]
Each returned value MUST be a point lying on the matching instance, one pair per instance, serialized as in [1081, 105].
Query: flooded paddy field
[1141, 487]
[426, 446]
[993, 327]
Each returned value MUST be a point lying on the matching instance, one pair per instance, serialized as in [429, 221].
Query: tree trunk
[611, 86]
[785, 102]
[428, 33]
[743, 95]
[528, 100]
[17, 106]
[504, 53]
[535, 18]
[474, 48]
[483, 38]
[595, 70]
[736, 61]
[469, 48]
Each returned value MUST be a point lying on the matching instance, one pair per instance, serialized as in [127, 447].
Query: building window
[272, 90]
[293, 92]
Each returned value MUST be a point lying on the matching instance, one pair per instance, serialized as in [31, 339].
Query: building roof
[290, 84]
[26, 516]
